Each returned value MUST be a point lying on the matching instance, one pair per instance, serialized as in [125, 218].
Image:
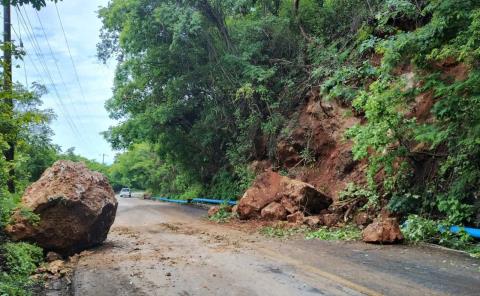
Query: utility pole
[7, 89]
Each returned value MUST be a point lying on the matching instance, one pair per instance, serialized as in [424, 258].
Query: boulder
[263, 192]
[76, 208]
[385, 230]
[290, 205]
[304, 196]
[312, 221]
[274, 211]
[213, 210]
[330, 219]
[55, 267]
[293, 195]
[52, 256]
[296, 218]
[362, 219]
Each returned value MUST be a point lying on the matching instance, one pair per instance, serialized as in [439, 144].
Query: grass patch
[474, 251]
[223, 215]
[18, 262]
[281, 230]
[347, 233]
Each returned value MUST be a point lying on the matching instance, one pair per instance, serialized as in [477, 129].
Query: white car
[125, 192]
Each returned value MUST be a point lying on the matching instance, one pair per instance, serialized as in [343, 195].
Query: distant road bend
[166, 249]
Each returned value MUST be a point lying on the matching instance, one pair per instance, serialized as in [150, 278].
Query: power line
[70, 54]
[55, 61]
[27, 26]
[58, 68]
[32, 62]
[19, 36]
[38, 52]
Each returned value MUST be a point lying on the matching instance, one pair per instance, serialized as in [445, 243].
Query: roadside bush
[417, 229]
[7, 203]
[17, 262]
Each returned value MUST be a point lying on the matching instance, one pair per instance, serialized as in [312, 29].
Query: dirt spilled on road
[163, 249]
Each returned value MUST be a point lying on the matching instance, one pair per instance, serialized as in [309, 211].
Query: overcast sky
[80, 117]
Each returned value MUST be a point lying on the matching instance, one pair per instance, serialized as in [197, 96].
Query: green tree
[196, 79]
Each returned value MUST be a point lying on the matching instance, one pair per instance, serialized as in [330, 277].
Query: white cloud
[82, 29]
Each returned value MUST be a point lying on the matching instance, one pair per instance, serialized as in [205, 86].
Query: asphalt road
[165, 249]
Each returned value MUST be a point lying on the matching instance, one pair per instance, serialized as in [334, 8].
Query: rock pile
[276, 197]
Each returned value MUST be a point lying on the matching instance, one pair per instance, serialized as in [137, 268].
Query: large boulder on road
[76, 207]
[292, 195]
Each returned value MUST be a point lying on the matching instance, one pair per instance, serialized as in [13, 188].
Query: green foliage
[30, 216]
[307, 156]
[425, 35]
[21, 258]
[20, 125]
[343, 85]
[353, 191]
[204, 92]
[17, 262]
[223, 215]
[407, 202]
[226, 186]
[37, 4]
[137, 168]
[347, 233]
[8, 202]
[281, 230]
[418, 229]
[203, 88]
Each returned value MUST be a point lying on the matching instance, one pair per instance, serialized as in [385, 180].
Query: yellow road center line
[339, 280]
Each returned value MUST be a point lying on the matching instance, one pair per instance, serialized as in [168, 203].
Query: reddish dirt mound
[319, 128]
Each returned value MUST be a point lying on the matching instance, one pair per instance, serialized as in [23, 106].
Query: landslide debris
[273, 196]
[76, 207]
[383, 230]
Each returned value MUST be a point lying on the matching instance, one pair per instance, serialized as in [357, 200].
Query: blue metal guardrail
[197, 200]
[179, 201]
[473, 232]
[214, 201]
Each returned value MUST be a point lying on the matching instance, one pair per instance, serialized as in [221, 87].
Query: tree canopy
[211, 85]
[38, 4]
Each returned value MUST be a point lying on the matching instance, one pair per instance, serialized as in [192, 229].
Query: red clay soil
[320, 127]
